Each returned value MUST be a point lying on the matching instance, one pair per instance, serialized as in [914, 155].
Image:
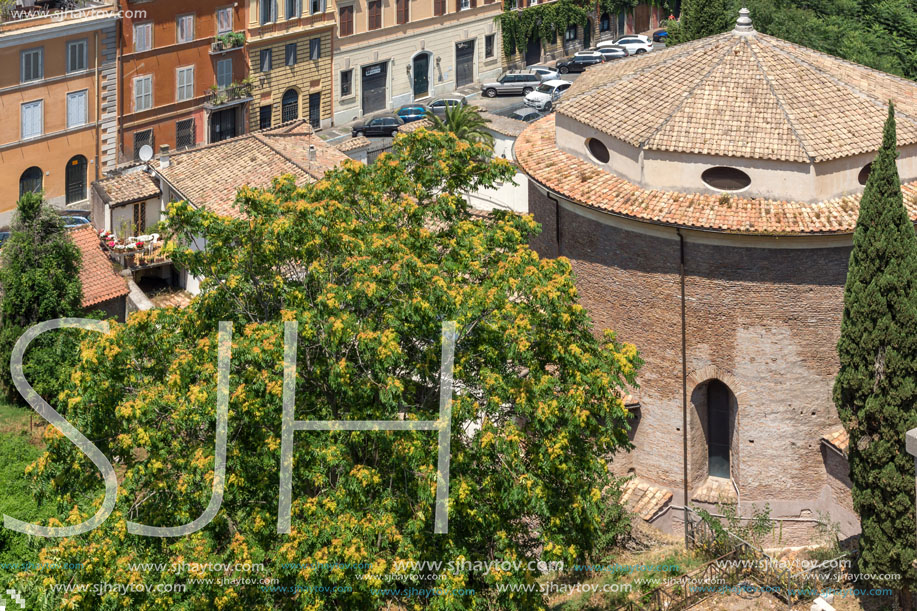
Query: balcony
[236, 93]
[134, 253]
[231, 41]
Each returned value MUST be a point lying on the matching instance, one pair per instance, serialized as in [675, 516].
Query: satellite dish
[146, 153]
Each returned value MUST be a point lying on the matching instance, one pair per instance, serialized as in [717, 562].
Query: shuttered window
[224, 73]
[401, 9]
[77, 108]
[185, 85]
[224, 21]
[184, 28]
[143, 36]
[143, 93]
[375, 14]
[345, 21]
[32, 119]
[439, 7]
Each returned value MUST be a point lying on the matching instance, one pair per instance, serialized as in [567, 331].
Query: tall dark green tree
[700, 18]
[39, 280]
[876, 388]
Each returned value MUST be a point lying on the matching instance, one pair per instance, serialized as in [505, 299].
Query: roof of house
[210, 176]
[584, 183]
[504, 125]
[837, 439]
[98, 277]
[645, 499]
[743, 94]
[353, 144]
[415, 125]
[127, 188]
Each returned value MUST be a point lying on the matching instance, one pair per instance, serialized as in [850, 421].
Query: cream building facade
[393, 52]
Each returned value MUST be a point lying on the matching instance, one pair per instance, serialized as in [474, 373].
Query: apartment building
[290, 54]
[182, 74]
[389, 53]
[57, 96]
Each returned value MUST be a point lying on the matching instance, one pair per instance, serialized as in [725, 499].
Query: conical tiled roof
[743, 94]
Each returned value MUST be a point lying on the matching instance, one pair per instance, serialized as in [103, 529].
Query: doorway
[718, 425]
[374, 86]
[223, 125]
[587, 34]
[464, 63]
[315, 109]
[533, 51]
[76, 180]
[421, 70]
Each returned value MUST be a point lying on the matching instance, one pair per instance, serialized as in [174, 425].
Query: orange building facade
[58, 98]
[183, 74]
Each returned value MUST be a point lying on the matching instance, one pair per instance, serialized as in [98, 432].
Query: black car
[383, 125]
[578, 63]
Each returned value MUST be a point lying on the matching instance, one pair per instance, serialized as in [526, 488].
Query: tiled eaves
[583, 183]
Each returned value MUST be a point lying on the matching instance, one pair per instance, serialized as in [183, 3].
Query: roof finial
[743, 23]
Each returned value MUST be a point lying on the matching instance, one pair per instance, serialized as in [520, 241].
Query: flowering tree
[369, 261]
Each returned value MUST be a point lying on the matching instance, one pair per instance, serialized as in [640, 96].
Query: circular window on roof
[863, 176]
[724, 178]
[598, 150]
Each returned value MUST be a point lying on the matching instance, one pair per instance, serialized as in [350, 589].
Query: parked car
[439, 106]
[412, 112]
[525, 114]
[4, 235]
[545, 72]
[579, 63]
[613, 52]
[547, 94]
[75, 221]
[634, 43]
[383, 125]
[514, 82]
[660, 36]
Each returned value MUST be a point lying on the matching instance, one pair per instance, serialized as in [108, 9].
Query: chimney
[312, 154]
[164, 156]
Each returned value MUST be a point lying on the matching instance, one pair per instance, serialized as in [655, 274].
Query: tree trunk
[904, 600]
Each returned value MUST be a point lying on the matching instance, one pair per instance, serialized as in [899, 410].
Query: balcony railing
[226, 95]
[227, 42]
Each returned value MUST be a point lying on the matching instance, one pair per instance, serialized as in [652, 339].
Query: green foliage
[876, 388]
[700, 18]
[466, 123]
[230, 40]
[754, 529]
[39, 276]
[370, 261]
[544, 21]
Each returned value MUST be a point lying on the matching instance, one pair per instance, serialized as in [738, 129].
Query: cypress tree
[701, 18]
[876, 388]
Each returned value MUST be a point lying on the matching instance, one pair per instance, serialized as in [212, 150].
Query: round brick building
[706, 196]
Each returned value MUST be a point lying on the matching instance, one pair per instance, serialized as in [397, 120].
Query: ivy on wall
[548, 21]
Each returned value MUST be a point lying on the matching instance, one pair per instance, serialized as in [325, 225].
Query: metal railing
[236, 91]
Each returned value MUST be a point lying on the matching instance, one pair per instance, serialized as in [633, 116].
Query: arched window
[725, 178]
[30, 181]
[605, 23]
[718, 439]
[289, 106]
[76, 179]
[863, 176]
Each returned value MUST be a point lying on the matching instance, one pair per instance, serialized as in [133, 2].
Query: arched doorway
[421, 74]
[31, 181]
[76, 179]
[289, 106]
[587, 34]
[718, 429]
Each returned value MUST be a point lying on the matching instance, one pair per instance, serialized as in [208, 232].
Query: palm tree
[465, 122]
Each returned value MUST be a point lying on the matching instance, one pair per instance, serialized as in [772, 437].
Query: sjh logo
[15, 596]
[291, 329]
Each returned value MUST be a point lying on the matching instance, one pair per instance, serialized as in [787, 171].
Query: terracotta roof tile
[352, 144]
[837, 439]
[99, 279]
[127, 188]
[645, 499]
[210, 176]
[584, 183]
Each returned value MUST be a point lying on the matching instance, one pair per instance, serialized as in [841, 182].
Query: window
[346, 83]
[375, 14]
[143, 37]
[77, 55]
[267, 11]
[77, 108]
[143, 93]
[31, 181]
[718, 425]
[318, 6]
[224, 20]
[75, 176]
[289, 106]
[345, 20]
[439, 7]
[401, 11]
[185, 86]
[598, 150]
[139, 218]
[224, 73]
[32, 67]
[605, 23]
[184, 134]
[489, 45]
[32, 119]
[464, 4]
[184, 28]
[725, 178]
[292, 9]
[863, 176]
[141, 139]
[315, 48]
[264, 117]
[570, 33]
[290, 54]
[266, 60]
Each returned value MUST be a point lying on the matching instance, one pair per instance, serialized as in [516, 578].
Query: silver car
[438, 107]
[544, 72]
[514, 82]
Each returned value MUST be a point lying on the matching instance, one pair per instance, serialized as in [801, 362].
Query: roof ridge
[690, 93]
[264, 140]
[786, 114]
[841, 83]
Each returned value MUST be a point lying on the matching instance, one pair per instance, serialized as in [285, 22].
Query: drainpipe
[684, 377]
[556, 220]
